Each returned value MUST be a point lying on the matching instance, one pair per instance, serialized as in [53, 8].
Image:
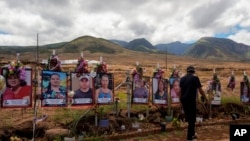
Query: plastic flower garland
[82, 66]
[138, 71]
[216, 78]
[175, 73]
[158, 73]
[54, 63]
[245, 79]
[101, 67]
[16, 67]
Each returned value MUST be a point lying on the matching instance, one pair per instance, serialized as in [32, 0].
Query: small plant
[58, 138]
[15, 138]
[176, 123]
[246, 110]
[101, 113]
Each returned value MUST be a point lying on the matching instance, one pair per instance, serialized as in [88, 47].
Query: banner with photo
[54, 88]
[175, 90]
[141, 90]
[216, 93]
[83, 88]
[160, 91]
[244, 92]
[104, 88]
[18, 91]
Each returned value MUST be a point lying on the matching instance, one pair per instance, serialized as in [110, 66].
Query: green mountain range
[219, 49]
[206, 48]
[176, 48]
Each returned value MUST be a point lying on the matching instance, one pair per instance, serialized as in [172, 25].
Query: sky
[158, 21]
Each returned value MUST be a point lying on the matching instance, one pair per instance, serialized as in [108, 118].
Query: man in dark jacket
[189, 85]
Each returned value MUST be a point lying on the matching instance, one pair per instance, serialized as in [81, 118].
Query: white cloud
[242, 36]
[159, 21]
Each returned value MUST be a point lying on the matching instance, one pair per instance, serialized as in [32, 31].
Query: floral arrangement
[138, 72]
[101, 67]
[16, 67]
[175, 73]
[82, 66]
[245, 78]
[158, 73]
[54, 63]
[216, 78]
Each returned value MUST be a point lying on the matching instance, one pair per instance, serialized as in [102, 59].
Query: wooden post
[128, 92]
[96, 119]
[210, 105]
[35, 94]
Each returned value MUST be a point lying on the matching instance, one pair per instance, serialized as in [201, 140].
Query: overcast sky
[159, 21]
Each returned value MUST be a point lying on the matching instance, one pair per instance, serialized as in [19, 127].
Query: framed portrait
[175, 90]
[18, 92]
[104, 88]
[216, 92]
[160, 91]
[244, 92]
[141, 90]
[83, 88]
[54, 88]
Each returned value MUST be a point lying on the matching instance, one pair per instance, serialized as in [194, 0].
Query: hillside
[176, 48]
[141, 45]
[92, 45]
[219, 48]
[85, 43]
[120, 43]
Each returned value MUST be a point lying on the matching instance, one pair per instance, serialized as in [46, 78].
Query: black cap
[190, 69]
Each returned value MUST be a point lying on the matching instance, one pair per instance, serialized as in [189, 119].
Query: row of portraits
[57, 89]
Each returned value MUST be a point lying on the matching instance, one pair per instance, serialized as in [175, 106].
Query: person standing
[189, 85]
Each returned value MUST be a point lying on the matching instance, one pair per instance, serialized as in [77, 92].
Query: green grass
[230, 99]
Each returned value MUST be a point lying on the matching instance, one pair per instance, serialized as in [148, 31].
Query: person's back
[189, 85]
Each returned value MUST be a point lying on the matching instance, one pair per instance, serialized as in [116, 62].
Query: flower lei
[216, 78]
[246, 80]
[173, 73]
[16, 67]
[53, 61]
[137, 72]
[81, 67]
[101, 68]
[158, 73]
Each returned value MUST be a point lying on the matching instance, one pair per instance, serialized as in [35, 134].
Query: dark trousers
[189, 108]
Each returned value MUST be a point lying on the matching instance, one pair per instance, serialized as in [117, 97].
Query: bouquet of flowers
[82, 66]
[158, 73]
[16, 67]
[101, 67]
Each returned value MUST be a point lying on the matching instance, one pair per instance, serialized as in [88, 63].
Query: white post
[158, 65]
[137, 63]
[214, 70]
[174, 66]
[54, 52]
[100, 58]
[17, 56]
[82, 54]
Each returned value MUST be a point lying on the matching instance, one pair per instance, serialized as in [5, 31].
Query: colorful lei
[16, 67]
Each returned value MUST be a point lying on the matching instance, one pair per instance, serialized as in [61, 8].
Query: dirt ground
[205, 133]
